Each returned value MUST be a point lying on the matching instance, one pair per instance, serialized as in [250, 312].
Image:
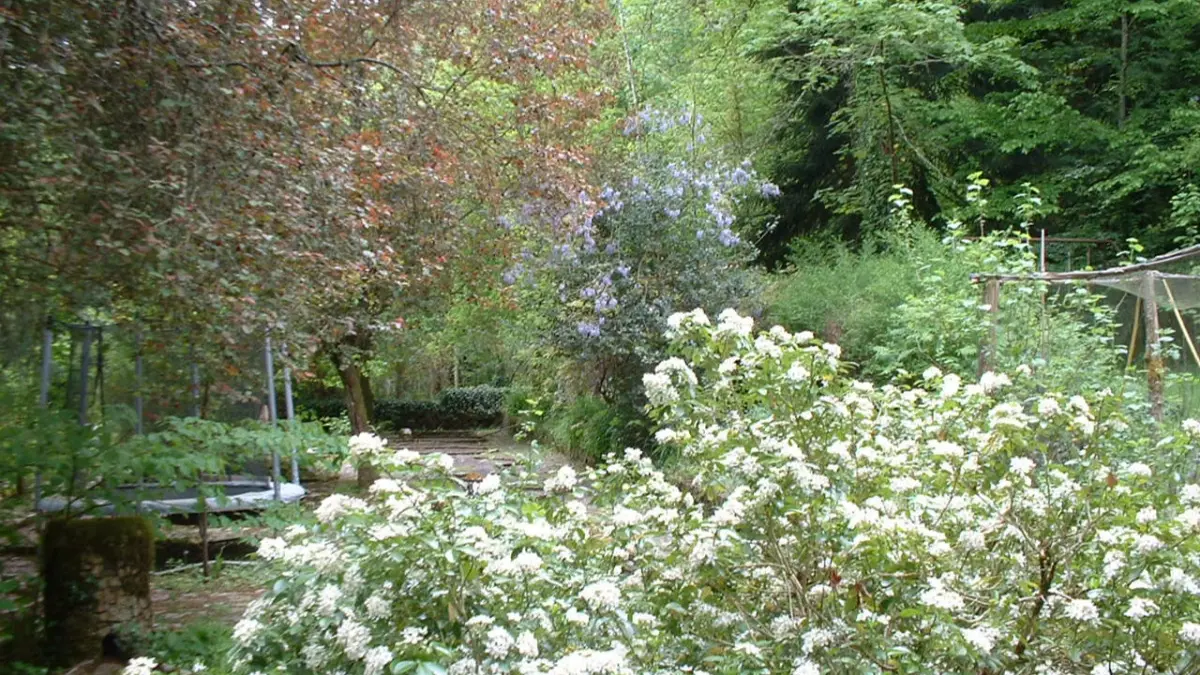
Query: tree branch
[344, 63]
[299, 55]
[223, 64]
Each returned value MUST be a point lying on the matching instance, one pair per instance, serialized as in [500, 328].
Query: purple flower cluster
[605, 303]
[513, 273]
[661, 122]
[589, 329]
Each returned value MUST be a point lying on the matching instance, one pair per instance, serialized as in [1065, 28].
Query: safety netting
[1178, 291]
[139, 378]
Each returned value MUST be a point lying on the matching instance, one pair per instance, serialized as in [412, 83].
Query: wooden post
[1137, 318]
[1187, 336]
[204, 535]
[991, 298]
[1154, 360]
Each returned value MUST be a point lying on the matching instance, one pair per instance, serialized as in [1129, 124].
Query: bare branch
[223, 64]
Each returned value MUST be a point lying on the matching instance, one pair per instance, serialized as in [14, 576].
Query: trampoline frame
[245, 501]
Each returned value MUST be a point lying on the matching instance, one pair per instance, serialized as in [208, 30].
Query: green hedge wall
[454, 409]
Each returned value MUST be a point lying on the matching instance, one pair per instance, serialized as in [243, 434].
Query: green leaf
[431, 668]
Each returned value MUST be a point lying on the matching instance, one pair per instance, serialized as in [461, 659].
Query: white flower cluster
[337, 506]
[953, 526]
[662, 386]
[677, 323]
[564, 480]
[141, 665]
[366, 446]
[601, 595]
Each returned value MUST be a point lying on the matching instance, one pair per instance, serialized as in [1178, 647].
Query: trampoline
[241, 489]
[239, 495]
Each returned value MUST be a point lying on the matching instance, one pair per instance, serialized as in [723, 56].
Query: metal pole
[275, 473]
[1045, 316]
[195, 386]
[47, 364]
[138, 403]
[289, 406]
[44, 397]
[84, 367]
[1042, 253]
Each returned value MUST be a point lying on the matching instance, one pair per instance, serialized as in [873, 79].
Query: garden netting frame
[1151, 281]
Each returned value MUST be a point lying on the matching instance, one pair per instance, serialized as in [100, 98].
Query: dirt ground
[185, 597]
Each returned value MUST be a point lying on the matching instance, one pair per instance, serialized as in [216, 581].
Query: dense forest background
[1091, 101]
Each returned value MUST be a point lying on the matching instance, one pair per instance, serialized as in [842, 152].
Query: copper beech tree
[304, 166]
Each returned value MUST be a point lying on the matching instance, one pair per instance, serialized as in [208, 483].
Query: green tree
[1088, 99]
[706, 59]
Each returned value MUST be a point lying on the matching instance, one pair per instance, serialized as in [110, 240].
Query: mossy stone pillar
[97, 576]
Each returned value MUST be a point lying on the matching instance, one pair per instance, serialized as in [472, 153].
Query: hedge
[454, 409]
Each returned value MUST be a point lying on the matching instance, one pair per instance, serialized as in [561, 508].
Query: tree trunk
[359, 399]
[357, 406]
[1123, 74]
[891, 119]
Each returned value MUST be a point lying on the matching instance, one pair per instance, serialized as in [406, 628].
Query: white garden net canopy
[1181, 291]
[1167, 280]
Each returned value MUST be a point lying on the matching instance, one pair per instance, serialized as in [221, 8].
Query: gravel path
[476, 454]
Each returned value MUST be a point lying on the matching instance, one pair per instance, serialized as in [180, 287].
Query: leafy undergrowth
[194, 615]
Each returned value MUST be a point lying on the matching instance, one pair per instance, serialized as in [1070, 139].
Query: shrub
[849, 296]
[833, 526]
[323, 408]
[670, 234]
[906, 301]
[199, 647]
[405, 414]
[84, 464]
[455, 409]
[588, 428]
[477, 406]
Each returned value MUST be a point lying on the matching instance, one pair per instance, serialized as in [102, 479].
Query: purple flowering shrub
[664, 236]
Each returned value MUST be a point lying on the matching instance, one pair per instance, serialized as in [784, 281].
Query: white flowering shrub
[831, 526]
